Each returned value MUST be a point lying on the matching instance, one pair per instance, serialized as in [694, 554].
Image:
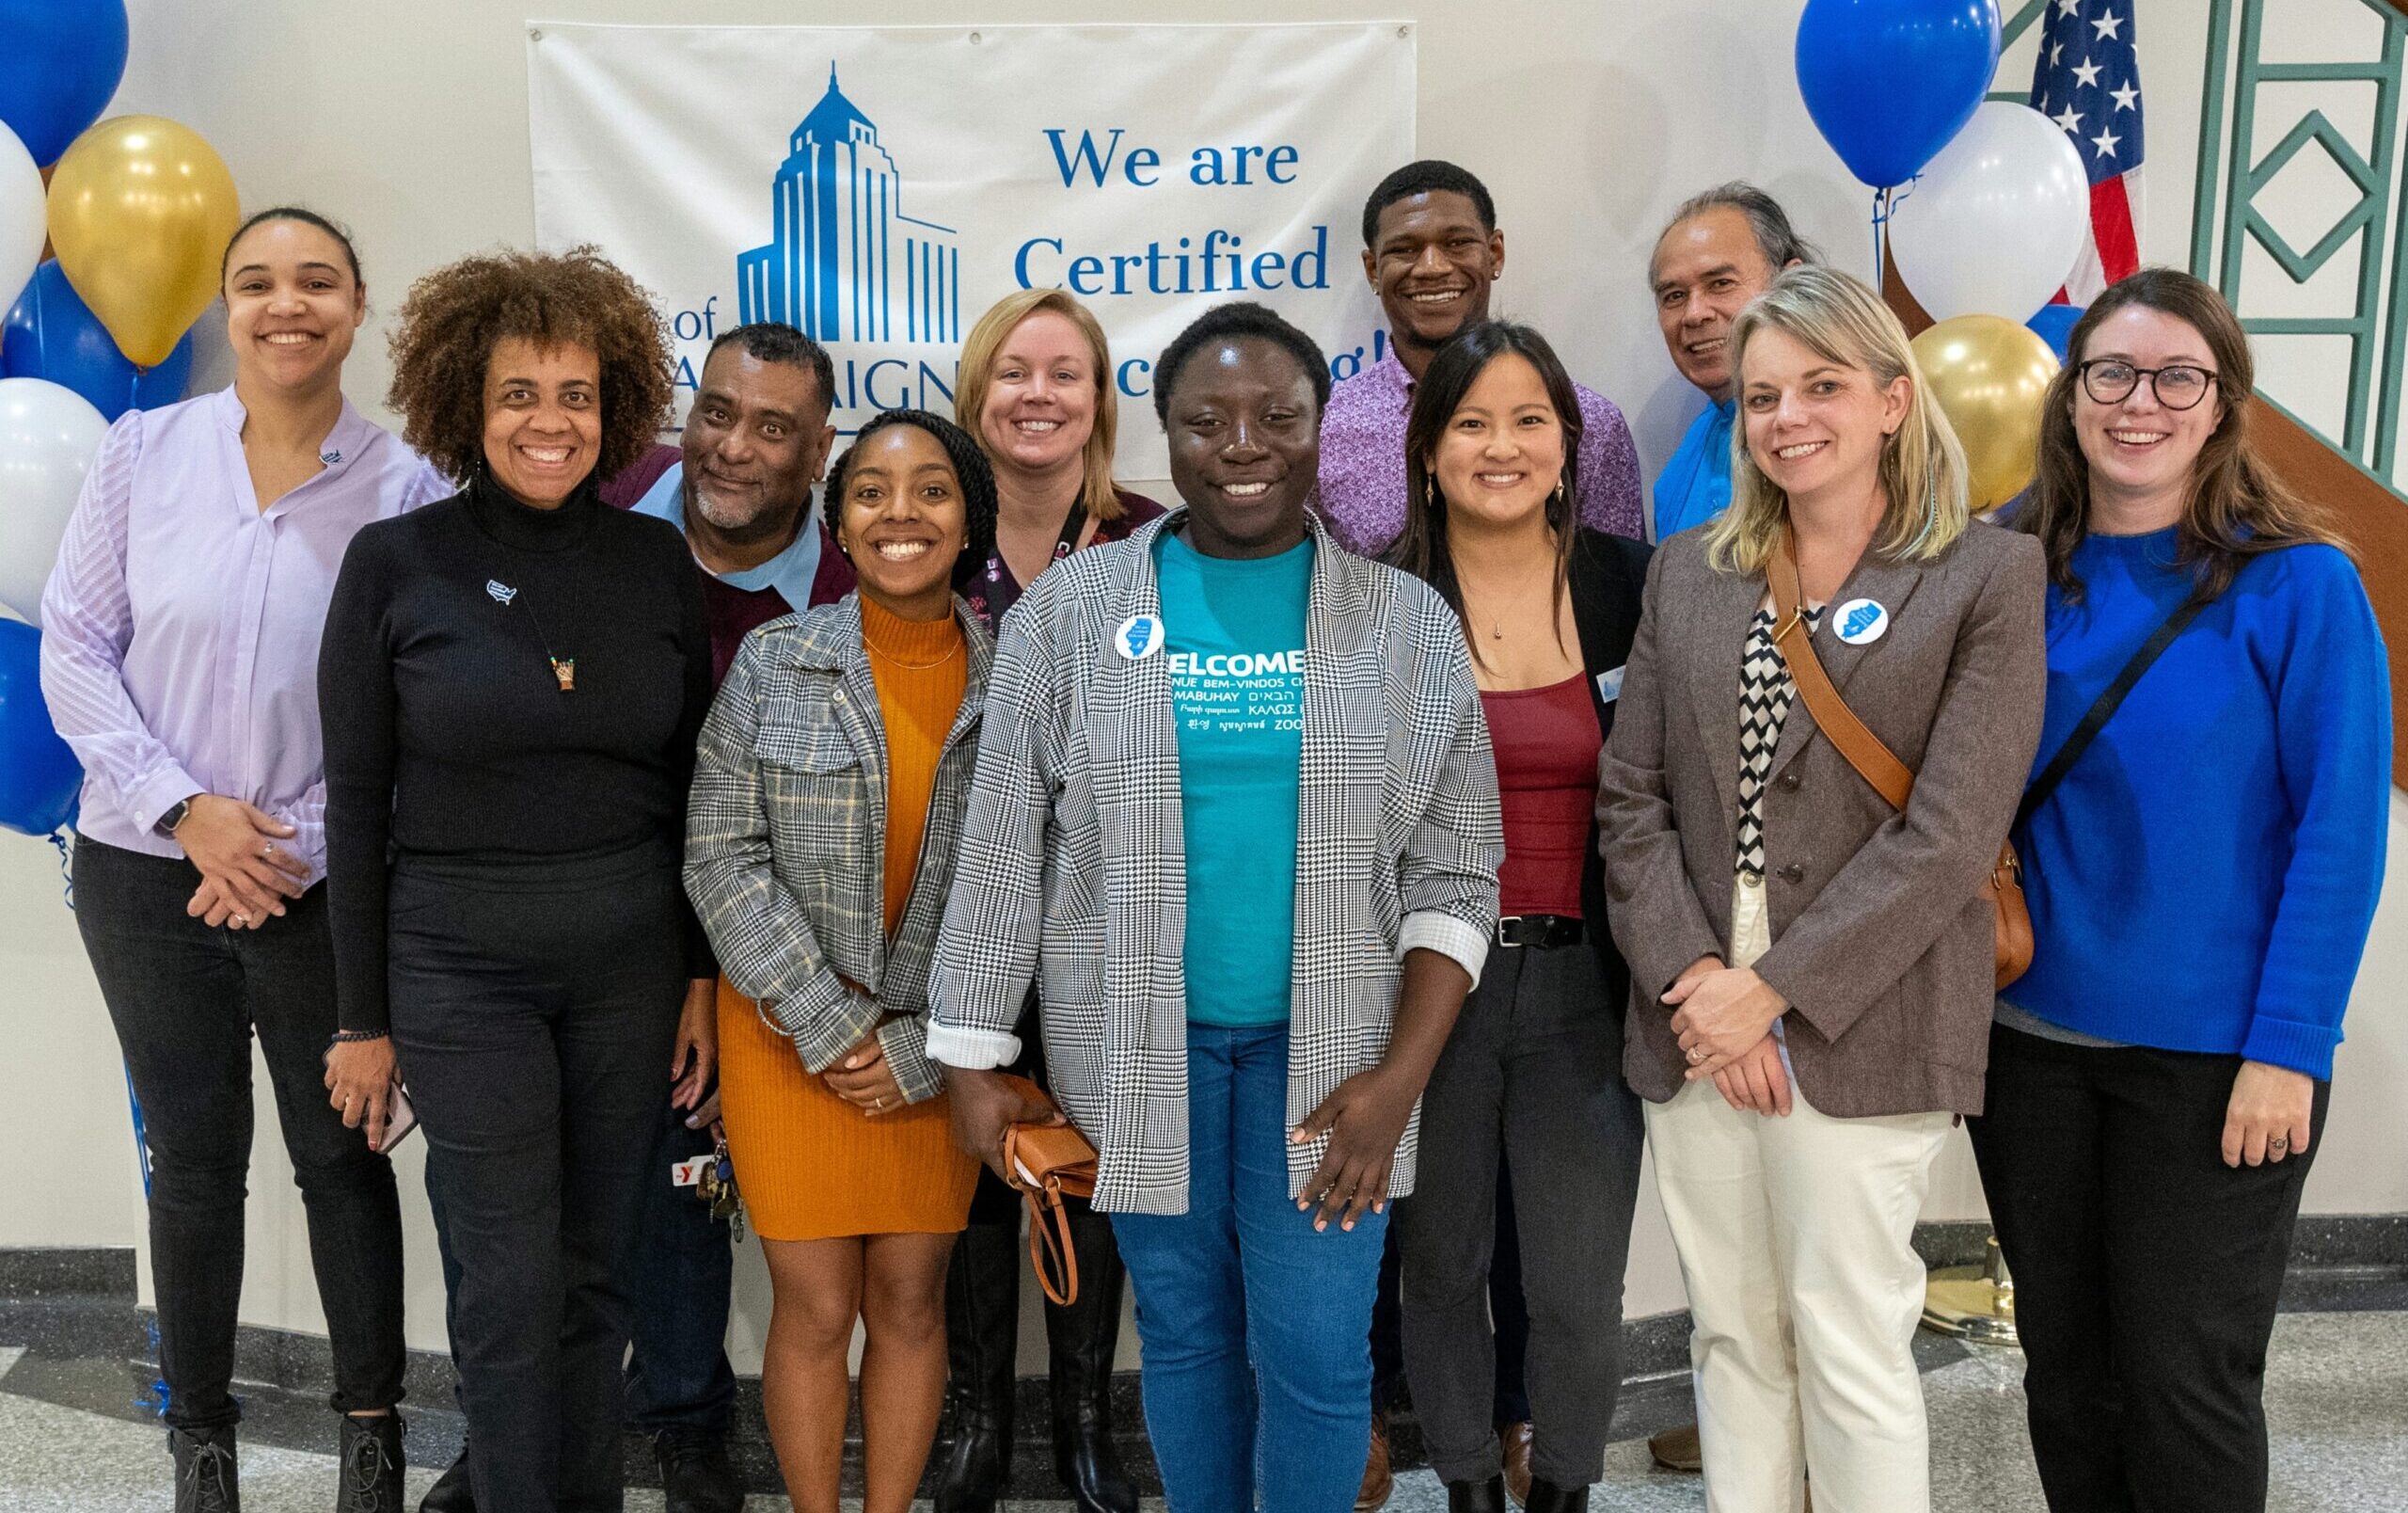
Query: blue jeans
[1256, 1329]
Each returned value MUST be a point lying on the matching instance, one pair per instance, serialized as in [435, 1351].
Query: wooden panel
[2374, 518]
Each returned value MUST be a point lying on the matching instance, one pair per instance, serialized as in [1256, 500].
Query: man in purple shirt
[1431, 250]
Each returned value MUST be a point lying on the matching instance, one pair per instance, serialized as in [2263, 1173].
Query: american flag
[2088, 80]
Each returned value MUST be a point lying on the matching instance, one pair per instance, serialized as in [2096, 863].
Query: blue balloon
[38, 775]
[1889, 82]
[60, 61]
[2054, 324]
[53, 334]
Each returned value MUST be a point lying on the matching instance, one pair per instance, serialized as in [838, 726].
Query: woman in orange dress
[829, 790]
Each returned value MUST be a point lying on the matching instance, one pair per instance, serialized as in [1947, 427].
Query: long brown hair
[2237, 508]
[1422, 549]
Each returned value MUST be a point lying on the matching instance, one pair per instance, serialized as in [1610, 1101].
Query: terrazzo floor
[2336, 1399]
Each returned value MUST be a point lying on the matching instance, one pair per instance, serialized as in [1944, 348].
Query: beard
[762, 514]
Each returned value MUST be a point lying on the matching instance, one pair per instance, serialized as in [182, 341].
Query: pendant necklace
[564, 668]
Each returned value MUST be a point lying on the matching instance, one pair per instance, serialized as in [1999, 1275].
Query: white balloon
[48, 436]
[1996, 221]
[24, 212]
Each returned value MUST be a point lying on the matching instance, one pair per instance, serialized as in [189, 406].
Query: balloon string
[1885, 208]
[66, 871]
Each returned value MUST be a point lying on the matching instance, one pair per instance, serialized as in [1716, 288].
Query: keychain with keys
[717, 1188]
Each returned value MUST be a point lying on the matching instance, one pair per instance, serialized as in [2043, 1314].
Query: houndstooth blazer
[786, 840]
[1074, 858]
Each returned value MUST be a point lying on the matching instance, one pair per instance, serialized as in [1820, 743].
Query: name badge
[1610, 685]
[1140, 635]
[1862, 622]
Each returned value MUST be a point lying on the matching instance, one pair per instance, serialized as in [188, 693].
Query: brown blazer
[1879, 942]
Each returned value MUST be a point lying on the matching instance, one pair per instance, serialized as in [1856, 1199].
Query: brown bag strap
[1050, 1250]
[1873, 762]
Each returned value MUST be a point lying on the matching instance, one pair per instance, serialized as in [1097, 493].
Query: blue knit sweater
[2205, 877]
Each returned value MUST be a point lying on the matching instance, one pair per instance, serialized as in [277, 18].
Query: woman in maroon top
[1037, 392]
[1534, 1070]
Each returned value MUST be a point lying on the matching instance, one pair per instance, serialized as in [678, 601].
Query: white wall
[1589, 121]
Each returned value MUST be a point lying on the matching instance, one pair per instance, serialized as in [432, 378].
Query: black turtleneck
[448, 733]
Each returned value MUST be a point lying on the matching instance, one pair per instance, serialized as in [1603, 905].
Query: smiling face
[1502, 450]
[903, 521]
[543, 418]
[1815, 426]
[1244, 446]
[757, 439]
[1041, 401]
[1707, 269]
[2140, 451]
[292, 305]
[1432, 265]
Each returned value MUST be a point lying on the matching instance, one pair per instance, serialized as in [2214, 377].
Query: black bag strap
[2104, 710]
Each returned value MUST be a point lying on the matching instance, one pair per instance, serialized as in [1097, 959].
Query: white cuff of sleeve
[973, 1050]
[1432, 930]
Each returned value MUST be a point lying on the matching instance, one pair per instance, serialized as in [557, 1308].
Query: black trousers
[1532, 1073]
[534, 1009]
[186, 1000]
[2145, 1271]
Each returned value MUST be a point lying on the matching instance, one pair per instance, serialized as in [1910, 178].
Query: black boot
[205, 1480]
[1546, 1497]
[981, 1339]
[371, 1465]
[695, 1475]
[451, 1492]
[1477, 1497]
[1082, 1340]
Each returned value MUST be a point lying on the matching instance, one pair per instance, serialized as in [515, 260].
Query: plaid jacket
[1073, 863]
[786, 840]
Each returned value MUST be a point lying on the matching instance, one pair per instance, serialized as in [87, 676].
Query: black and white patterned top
[1766, 692]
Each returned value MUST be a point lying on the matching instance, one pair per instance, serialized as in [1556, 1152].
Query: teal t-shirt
[1234, 632]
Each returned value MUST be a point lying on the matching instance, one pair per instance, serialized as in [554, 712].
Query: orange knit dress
[811, 1166]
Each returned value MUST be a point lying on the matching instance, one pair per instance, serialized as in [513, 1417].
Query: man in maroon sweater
[757, 444]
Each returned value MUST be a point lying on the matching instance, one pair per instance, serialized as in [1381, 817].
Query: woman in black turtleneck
[511, 683]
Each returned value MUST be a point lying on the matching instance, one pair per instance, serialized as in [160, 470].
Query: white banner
[881, 186]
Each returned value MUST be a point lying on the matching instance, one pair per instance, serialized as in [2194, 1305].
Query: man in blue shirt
[1720, 251]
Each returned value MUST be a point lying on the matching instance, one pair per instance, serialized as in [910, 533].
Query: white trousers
[1795, 1238]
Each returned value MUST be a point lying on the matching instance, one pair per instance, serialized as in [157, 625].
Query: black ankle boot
[451, 1491]
[981, 1340]
[371, 1465]
[1546, 1497]
[695, 1475]
[1477, 1497]
[1082, 1340]
[205, 1479]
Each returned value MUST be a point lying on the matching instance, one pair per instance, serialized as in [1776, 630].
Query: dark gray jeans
[1533, 1069]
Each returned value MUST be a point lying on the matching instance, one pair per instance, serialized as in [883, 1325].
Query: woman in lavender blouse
[179, 657]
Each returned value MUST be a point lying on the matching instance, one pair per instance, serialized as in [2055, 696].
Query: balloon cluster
[1984, 203]
[137, 210]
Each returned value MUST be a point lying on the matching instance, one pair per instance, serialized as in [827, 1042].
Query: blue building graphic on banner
[844, 261]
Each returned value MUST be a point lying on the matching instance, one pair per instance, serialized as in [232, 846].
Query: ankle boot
[982, 1339]
[371, 1459]
[1477, 1497]
[1546, 1497]
[1082, 1340]
[205, 1479]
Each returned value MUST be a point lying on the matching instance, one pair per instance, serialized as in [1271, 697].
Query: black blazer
[1609, 579]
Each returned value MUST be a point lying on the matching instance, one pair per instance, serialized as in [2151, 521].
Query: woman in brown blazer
[1812, 970]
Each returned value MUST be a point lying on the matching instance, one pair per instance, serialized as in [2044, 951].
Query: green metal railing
[2235, 79]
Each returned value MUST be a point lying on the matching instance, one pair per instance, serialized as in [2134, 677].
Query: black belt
[1542, 931]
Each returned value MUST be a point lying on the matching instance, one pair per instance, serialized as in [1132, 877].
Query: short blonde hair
[1096, 489]
[1923, 465]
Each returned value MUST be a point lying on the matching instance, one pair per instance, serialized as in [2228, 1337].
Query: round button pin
[1862, 622]
[1140, 635]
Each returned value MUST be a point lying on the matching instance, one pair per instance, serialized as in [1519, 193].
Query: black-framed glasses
[2177, 386]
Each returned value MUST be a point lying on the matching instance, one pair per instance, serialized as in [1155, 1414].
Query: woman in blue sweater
[2201, 881]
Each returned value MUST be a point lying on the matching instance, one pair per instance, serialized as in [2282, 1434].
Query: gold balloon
[140, 211]
[1988, 375]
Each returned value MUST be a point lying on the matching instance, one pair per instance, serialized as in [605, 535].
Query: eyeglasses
[2110, 381]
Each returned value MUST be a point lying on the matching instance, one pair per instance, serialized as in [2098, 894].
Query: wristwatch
[174, 817]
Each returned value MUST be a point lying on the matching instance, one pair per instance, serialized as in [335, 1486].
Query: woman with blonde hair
[1811, 969]
[1037, 392]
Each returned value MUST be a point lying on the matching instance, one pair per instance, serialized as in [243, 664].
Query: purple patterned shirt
[1362, 461]
[180, 625]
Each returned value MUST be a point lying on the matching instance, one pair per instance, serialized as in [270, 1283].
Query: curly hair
[456, 315]
[970, 469]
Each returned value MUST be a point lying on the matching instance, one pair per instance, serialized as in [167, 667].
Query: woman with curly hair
[510, 686]
[827, 808]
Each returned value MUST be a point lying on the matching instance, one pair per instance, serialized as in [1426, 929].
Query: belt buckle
[1506, 938]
